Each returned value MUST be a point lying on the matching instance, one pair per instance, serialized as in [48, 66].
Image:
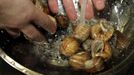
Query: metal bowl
[18, 52]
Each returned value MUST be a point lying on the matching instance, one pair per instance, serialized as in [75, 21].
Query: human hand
[70, 10]
[17, 15]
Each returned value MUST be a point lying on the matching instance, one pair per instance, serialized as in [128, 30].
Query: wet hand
[17, 15]
[70, 9]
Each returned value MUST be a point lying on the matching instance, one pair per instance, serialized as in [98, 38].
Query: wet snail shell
[77, 61]
[107, 52]
[97, 47]
[87, 45]
[94, 65]
[62, 21]
[69, 46]
[102, 31]
[122, 41]
[81, 32]
[101, 49]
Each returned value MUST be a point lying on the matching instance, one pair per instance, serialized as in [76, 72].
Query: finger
[99, 4]
[11, 29]
[2, 26]
[89, 10]
[43, 20]
[70, 9]
[13, 32]
[32, 33]
[53, 5]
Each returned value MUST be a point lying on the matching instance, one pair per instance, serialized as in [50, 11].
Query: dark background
[6, 69]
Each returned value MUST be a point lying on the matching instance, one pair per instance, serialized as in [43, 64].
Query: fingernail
[53, 29]
[100, 4]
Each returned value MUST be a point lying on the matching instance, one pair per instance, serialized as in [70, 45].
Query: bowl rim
[28, 71]
[17, 65]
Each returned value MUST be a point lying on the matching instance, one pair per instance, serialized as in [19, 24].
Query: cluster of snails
[88, 47]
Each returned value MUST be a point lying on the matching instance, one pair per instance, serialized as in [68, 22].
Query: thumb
[43, 20]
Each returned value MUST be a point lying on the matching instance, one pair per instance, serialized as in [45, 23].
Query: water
[50, 51]
[120, 14]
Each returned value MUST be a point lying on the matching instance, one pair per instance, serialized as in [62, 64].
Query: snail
[107, 52]
[81, 32]
[77, 61]
[87, 44]
[101, 49]
[62, 21]
[102, 31]
[122, 41]
[94, 65]
[69, 46]
[88, 47]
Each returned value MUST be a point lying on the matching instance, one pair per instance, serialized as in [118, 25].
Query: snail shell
[102, 31]
[69, 46]
[107, 52]
[97, 47]
[77, 61]
[101, 49]
[122, 41]
[87, 45]
[62, 21]
[81, 32]
[94, 65]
